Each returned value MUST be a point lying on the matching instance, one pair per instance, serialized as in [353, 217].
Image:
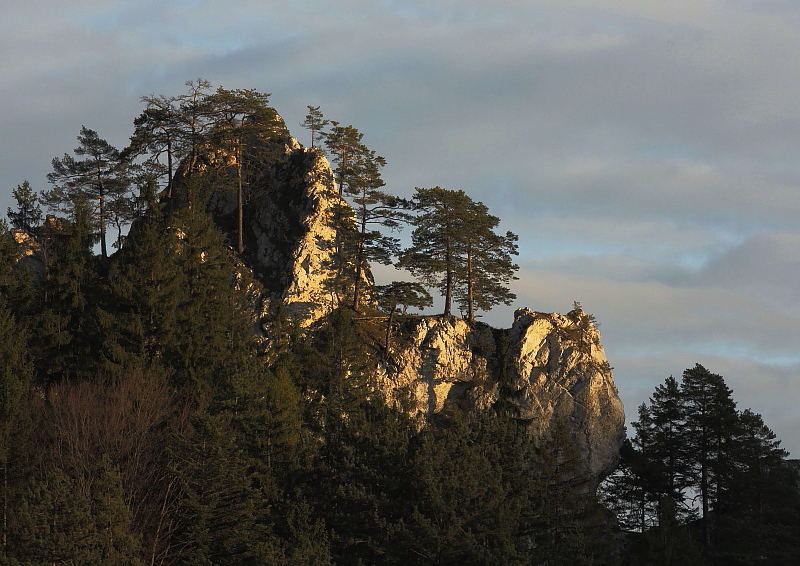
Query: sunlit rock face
[435, 363]
[553, 367]
[292, 235]
[548, 366]
[559, 371]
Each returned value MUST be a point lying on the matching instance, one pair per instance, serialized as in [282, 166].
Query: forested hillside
[156, 407]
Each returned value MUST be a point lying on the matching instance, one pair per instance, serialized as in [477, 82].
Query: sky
[646, 153]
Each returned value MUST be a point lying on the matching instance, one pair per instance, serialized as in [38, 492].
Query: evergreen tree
[487, 267]
[28, 215]
[157, 133]
[16, 277]
[100, 178]
[454, 248]
[314, 123]
[218, 511]
[405, 294]
[433, 256]
[144, 297]
[360, 480]
[760, 513]
[471, 492]
[15, 371]
[52, 525]
[661, 441]
[63, 322]
[629, 491]
[671, 543]
[710, 416]
[373, 207]
[357, 173]
[115, 544]
[567, 517]
[348, 154]
[15, 378]
[243, 125]
[193, 126]
[215, 348]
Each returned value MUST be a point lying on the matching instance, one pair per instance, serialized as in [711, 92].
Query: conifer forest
[156, 410]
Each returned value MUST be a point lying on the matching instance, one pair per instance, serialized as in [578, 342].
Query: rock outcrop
[293, 236]
[558, 370]
[552, 367]
[548, 366]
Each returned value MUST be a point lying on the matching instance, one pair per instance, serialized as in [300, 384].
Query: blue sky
[645, 153]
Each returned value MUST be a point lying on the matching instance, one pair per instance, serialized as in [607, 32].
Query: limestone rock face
[292, 235]
[548, 366]
[554, 368]
[559, 371]
[434, 364]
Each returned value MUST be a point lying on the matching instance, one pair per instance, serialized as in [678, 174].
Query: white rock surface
[555, 369]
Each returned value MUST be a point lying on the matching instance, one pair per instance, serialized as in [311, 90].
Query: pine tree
[157, 132]
[193, 126]
[243, 125]
[405, 294]
[487, 268]
[455, 249]
[314, 123]
[348, 153]
[100, 178]
[710, 416]
[373, 207]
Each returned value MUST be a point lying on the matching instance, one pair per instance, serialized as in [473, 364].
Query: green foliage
[143, 297]
[214, 351]
[52, 524]
[116, 545]
[403, 294]
[314, 123]
[472, 487]
[568, 522]
[242, 125]
[100, 179]
[143, 424]
[694, 452]
[455, 249]
[28, 215]
[359, 178]
[15, 372]
[671, 543]
[62, 318]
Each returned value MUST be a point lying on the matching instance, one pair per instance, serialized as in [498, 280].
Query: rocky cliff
[548, 366]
